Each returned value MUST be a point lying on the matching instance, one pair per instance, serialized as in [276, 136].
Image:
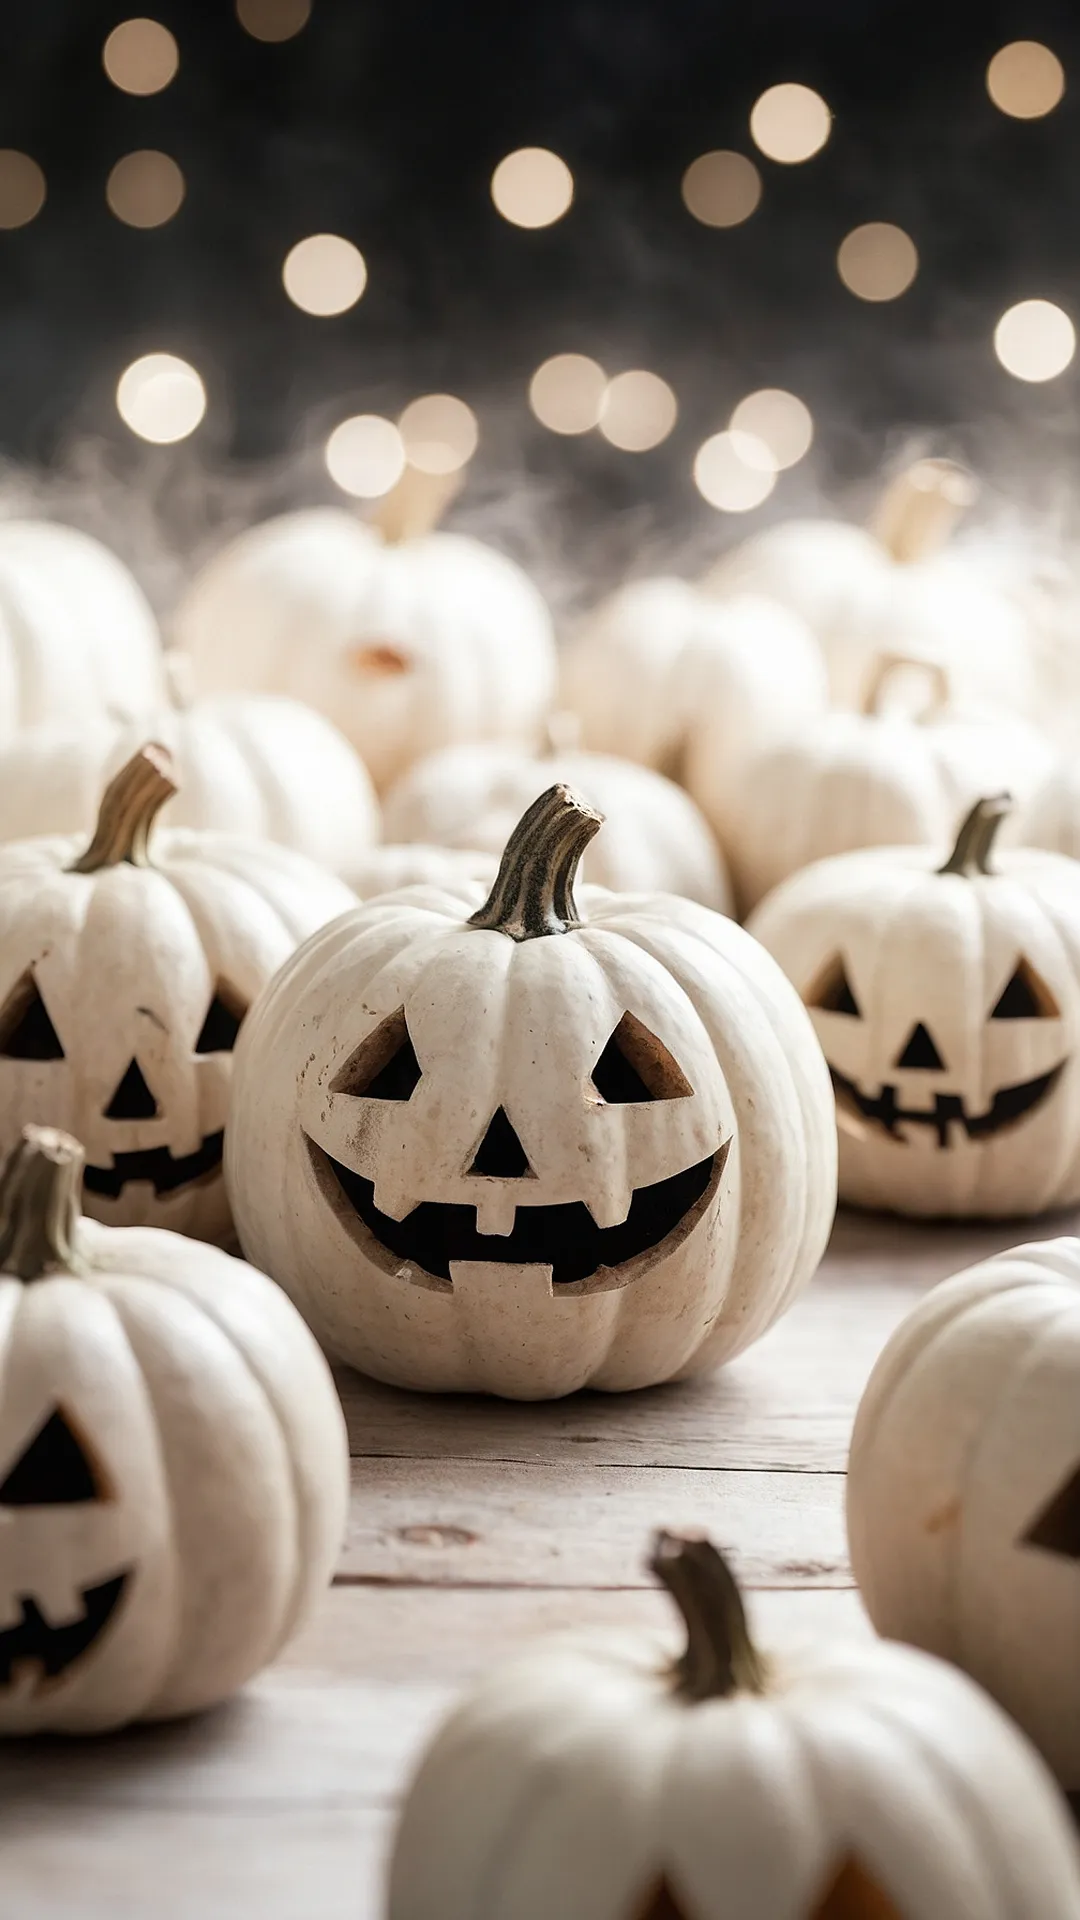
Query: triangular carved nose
[500, 1152]
[133, 1099]
[920, 1050]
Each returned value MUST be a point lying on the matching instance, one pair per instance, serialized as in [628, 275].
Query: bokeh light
[734, 472]
[567, 393]
[22, 188]
[439, 433]
[273, 20]
[790, 123]
[776, 420]
[721, 189]
[1025, 80]
[637, 411]
[1035, 340]
[140, 56]
[365, 455]
[145, 188]
[877, 261]
[161, 398]
[532, 187]
[324, 274]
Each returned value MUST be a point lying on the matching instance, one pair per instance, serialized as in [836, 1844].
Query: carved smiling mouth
[565, 1238]
[157, 1165]
[32, 1643]
[1009, 1105]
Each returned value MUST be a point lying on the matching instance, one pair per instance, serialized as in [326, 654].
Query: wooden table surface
[474, 1525]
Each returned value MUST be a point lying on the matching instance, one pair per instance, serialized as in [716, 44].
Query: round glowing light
[365, 455]
[734, 472]
[1025, 80]
[778, 421]
[877, 261]
[324, 274]
[140, 56]
[145, 188]
[273, 20]
[532, 187]
[22, 188]
[1035, 340]
[721, 189]
[790, 123]
[439, 433]
[567, 393]
[637, 411]
[161, 398]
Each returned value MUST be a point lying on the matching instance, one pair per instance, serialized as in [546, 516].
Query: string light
[734, 472]
[140, 56]
[439, 433]
[1025, 80]
[790, 123]
[273, 20]
[877, 261]
[161, 398]
[324, 274]
[1035, 340]
[721, 189]
[637, 411]
[145, 188]
[365, 455]
[532, 187]
[22, 188]
[567, 393]
[777, 421]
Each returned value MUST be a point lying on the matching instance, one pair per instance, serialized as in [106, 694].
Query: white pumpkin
[173, 1463]
[886, 776]
[892, 588]
[125, 972]
[964, 1487]
[655, 840]
[406, 644]
[77, 636]
[254, 764]
[1051, 818]
[658, 656]
[387, 868]
[947, 1001]
[594, 1778]
[511, 1147]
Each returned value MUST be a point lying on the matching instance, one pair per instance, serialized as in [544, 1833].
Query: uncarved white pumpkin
[964, 1487]
[598, 1779]
[77, 637]
[405, 645]
[529, 1144]
[946, 997]
[173, 1463]
[412, 864]
[654, 840]
[1051, 818]
[126, 968]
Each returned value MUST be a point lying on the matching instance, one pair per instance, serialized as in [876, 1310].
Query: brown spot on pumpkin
[943, 1517]
[433, 1536]
[379, 656]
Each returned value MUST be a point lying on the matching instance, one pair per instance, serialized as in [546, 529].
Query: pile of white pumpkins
[295, 950]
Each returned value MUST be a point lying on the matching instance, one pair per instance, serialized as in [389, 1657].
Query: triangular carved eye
[54, 1470]
[219, 1030]
[1057, 1527]
[1025, 997]
[832, 991]
[384, 1066]
[853, 1894]
[26, 1031]
[636, 1066]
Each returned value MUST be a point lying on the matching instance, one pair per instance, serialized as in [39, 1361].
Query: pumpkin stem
[886, 668]
[40, 1185]
[970, 856]
[720, 1657]
[416, 504]
[129, 805]
[920, 508]
[534, 887]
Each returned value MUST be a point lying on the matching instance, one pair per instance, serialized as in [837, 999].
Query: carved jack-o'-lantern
[173, 1466]
[123, 982]
[947, 1002]
[518, 1149]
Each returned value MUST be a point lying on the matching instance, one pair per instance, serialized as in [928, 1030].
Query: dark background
[383, 120]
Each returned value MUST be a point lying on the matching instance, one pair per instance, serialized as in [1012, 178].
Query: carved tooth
[496, 1210]
[58, 1599]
